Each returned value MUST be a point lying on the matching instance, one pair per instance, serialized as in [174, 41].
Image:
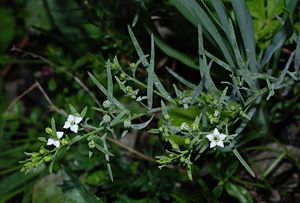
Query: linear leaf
[181, 79]
[103, 90]
[151, 75]
[245, 24]
[109, 82]
[195, 14]
[278, 40]
[172, 52]
[117, 119]
[142, 125]
[137, 47]
[243, 162]
[297, 55]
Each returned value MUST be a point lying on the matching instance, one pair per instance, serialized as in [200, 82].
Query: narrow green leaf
[53, 127]
[83, 112]
[172, 52]
[245, 24]
[238, 192]
[142, 125]
[103, 90]
[109, 82]
[243, 162]
[283, 73]
[222, 97]
[107, 159]
[278, 40]
[297, 55]
[181, 79]
[273, 165]
[151, 75]
[117, 119]
[76, 191]
[196, 15]
[203, 67]
[137, 47]
[145, 63]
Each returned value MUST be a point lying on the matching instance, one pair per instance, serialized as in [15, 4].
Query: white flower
[72, 123]
[216, 138]
[55, 142]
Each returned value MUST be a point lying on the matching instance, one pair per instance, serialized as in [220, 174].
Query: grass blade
[151, 75]
[109, 82]
[243, 162]
[195, 14]
[245, 24]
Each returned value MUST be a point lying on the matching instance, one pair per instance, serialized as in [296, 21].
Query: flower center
[73, 123]
[216, 139]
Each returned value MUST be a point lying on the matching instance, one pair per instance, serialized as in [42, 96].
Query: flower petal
[222, 136]
[210, 137]
[56, 143]
[59, 134]
[71, 118]
[212, 144]
[216, 132]
[74, 128]
[220, 143]
[67, 124]
[50, 141]
[77, 119]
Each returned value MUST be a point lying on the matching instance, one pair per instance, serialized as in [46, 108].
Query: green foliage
[203, 128]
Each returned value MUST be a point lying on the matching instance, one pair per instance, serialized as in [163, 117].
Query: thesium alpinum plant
[195, 122]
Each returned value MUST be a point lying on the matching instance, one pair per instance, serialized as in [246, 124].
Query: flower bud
[123, 75]
[35, 154]
[92, 144]
[194, 126]
[106, 104]
[47, 158]
[106, 118]
[132, 66]
[187, 141]
[64, 142]
[42, 151]
[185, 127]
[166, 116]
[48, 130]
[127, 123]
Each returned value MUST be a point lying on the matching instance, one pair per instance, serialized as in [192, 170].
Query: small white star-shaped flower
[55, 142]
[72, 123]
[216, 138]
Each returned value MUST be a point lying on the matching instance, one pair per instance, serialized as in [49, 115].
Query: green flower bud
[182, 159]
[35, 159]
[42, 151]
[132, 66]
[48, 130]
[160, 129]
[114, 66]
[92, 144]
[166, 116]
[194, 126]
[185, 127]
[47, 158]
[64, 142]
[127, 123]
[187, 141]
[106, 118]
[129, 89]
[106, 104]
[35, 154]
[123, 75]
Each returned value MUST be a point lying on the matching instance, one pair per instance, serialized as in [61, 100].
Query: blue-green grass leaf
[151, 75]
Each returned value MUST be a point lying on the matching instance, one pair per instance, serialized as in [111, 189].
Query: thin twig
[56, 66]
